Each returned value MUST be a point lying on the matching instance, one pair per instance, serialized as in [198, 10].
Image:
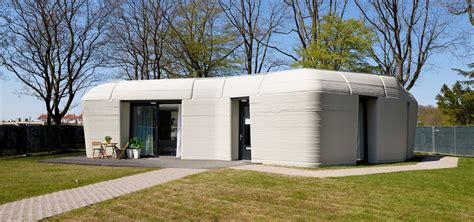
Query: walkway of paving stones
[428, 163]
[36, 208]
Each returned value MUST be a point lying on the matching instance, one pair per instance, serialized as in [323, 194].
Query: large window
[144, 125]
[157, 124]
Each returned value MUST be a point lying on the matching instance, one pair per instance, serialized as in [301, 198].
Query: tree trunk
[57, 120]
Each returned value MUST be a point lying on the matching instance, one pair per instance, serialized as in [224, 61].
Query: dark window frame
[134, 103]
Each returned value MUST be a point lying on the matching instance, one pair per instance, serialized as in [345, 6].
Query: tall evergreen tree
[468, 74]
[458, 102]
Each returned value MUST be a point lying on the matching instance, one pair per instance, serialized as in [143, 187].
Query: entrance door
[362, 151]
[244, 130]
[167, 129]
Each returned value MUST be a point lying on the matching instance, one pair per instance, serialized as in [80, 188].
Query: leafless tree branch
[408, 34]
[53, 48]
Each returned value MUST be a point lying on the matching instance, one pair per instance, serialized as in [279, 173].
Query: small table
[113, 146]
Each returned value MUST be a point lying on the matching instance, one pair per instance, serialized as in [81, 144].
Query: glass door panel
[245, 150]
[144, 125]
[167, 129]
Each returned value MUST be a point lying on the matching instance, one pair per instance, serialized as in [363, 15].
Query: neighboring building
[21, 122]
[72, 119]
[302, 117]
[43, 118]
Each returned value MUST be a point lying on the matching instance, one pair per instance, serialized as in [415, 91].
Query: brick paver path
[36, 208]
[427, 164]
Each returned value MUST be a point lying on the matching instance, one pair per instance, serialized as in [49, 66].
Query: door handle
[241, 136]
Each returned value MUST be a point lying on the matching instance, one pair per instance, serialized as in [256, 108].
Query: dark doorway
[245, 152]
[362, 145]
[167, 129]
[157, 124]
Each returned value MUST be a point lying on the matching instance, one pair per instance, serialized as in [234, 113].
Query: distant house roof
[44, 117]
[72, 117]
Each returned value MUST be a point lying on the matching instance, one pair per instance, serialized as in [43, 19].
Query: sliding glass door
[144, 125]
[158, 126]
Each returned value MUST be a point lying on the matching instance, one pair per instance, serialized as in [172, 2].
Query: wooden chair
[97, 147]
[112, 146]
[121, 153]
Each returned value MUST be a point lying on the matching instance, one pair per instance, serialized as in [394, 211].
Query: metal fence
[16, 140]
[456, 140]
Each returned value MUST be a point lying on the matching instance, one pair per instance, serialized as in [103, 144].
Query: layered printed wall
[206, 129]
[285, 128]
[338, 129]
[389, 130]
[300, 117]
[101, 118]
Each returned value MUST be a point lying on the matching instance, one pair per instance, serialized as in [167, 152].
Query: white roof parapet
[297, 80]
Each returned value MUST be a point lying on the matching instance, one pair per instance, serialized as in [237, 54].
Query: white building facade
[302, 117]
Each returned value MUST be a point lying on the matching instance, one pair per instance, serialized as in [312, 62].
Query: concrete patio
[428, 163]
[161, 162]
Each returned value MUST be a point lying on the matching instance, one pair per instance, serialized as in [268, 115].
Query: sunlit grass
[22, 177]
[225, 194]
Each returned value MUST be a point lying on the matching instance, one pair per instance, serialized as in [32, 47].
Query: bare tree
[202, 42]
[52, 47]
[408, 33]
[307, 15]
[460, 7]
[138, 38]
[255, 29]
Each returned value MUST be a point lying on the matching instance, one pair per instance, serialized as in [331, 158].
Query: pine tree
[458, 102]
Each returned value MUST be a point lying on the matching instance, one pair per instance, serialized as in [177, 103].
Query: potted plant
[129, 152]
[136, 144]
[108, 139]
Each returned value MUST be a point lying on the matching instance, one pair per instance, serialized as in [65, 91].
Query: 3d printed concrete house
[302, 117]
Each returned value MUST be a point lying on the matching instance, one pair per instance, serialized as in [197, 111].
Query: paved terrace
[429, 163]
[161, 162]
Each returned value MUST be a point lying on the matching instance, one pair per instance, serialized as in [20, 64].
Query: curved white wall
[301, 117]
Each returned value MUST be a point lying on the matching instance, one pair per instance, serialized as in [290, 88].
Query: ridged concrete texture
[301, 117]
[427, 164]
[37, 208]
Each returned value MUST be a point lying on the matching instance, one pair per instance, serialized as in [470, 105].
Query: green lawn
[22, 177]
[225, 194]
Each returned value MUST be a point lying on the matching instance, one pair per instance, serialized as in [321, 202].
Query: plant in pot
[108, 139]
[136, 145]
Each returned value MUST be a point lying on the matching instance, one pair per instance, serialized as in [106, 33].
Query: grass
[225, 194]
[23, 177]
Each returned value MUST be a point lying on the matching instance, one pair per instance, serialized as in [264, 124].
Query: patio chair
[99, 149]
[112, 146]
[120, 153]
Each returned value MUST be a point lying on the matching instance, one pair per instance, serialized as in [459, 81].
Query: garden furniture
[99, 149]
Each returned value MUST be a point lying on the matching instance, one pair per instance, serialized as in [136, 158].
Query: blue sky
[437, 73]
